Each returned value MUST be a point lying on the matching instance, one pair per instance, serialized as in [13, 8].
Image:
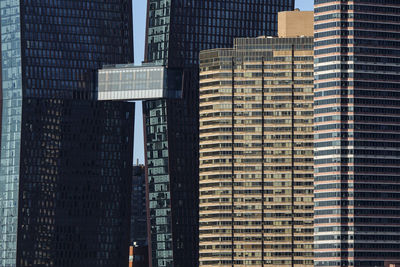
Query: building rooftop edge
[248, 38]
[131, 66]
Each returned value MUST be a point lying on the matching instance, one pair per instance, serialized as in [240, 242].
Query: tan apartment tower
[256, 149]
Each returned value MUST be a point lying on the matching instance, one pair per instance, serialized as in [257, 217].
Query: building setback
[256, 149]
[65, 169]
[176, 32]
[357, 133]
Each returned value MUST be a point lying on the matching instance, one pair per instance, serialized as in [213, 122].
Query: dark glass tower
[139, 256]
[138, 236]
[357, 133]
[176, 31]
[65, 158]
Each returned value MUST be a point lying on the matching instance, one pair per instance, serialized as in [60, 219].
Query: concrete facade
[256, 153]
[295, 23]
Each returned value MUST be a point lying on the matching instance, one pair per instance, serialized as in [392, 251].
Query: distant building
[138, 251]
[256, 149]
[357, 133]
[295, 24]
[138, 207]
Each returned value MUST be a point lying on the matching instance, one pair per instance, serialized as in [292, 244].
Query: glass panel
[11, 127]
[138, 83]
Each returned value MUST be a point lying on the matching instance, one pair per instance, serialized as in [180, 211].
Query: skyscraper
[176, 32]
[174, 39]
[256, 149]
[357, 158]
[65, 158]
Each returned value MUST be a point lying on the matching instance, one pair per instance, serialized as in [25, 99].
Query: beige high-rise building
[295, 23]
[256, 151]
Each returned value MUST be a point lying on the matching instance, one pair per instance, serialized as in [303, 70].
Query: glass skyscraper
[357, 156]
[176, 32]
[65, 158]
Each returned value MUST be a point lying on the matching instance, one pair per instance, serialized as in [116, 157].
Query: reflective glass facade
[10, 129]
[75, 181]
[158, 183]
[356, 109]
[65, 158]
[131, 83]
[256, 153]
[176, 32]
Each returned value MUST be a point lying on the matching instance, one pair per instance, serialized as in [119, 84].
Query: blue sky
[139, 25]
